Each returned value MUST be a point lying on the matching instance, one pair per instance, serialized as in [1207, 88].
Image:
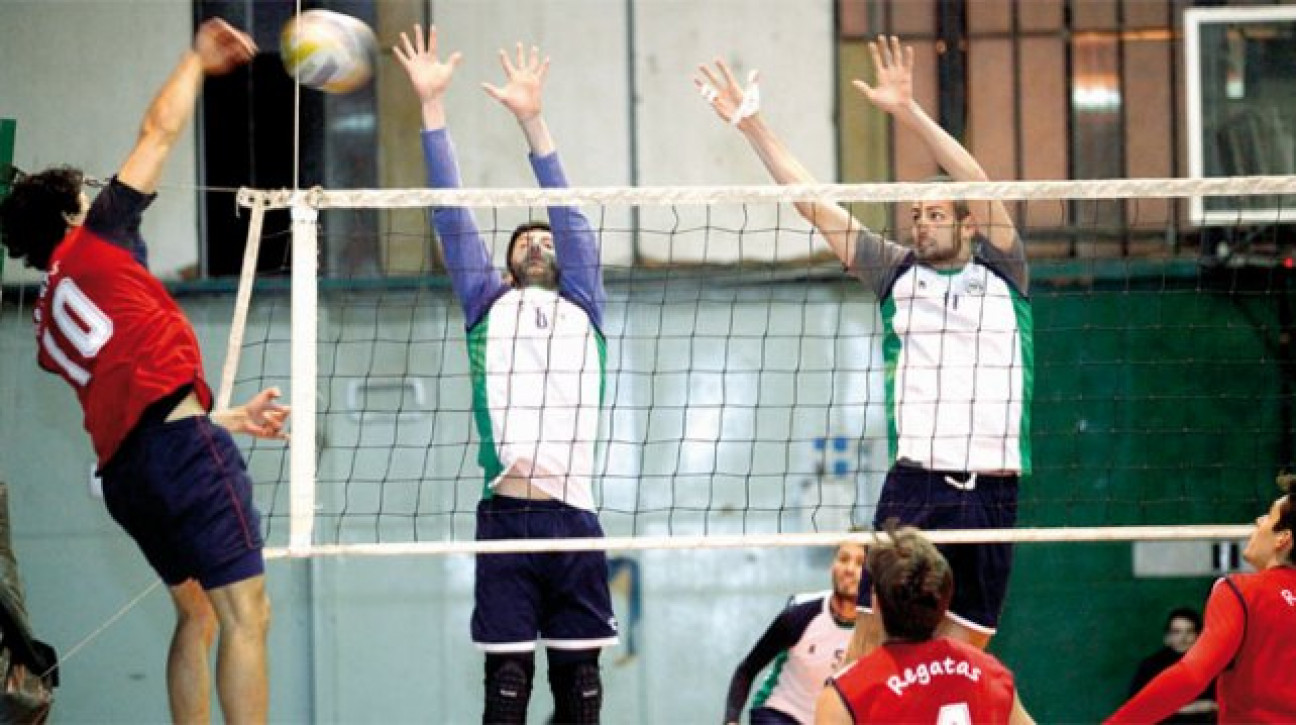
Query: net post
[247, 278]
[305, 299]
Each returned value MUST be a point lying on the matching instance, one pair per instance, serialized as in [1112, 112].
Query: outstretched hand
[429, 75]
[221, 48]
[727, 98]
[524, 82]
[260, 417]
[893, 65]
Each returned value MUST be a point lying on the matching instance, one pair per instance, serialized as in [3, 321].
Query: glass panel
[865, 133]
[914, 18]
[993, 108]
[989, 16]
[1039, 15]
[1248, 105]
[1043, 124]
[1149, 138]
[1147, 14]
[1093, 14]
[853, 18]
[1097, 136]
[247, 127]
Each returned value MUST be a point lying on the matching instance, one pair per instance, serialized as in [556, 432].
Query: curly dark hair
[33, 217]
[912, 582]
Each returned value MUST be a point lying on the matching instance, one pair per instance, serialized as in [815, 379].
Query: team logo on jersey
[1289, 597]
[542, 320]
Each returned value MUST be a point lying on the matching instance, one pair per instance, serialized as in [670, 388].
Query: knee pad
[508, 688]
[577, 691]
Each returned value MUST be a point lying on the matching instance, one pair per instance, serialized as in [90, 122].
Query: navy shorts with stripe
[562, 598]
[182, 491]
[928, 500]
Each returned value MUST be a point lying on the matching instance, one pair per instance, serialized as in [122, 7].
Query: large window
[249, 137]
[1037, 89]
[1241, 84]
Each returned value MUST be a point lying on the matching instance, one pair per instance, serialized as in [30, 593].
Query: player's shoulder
[806, 606]
[972, 654]
[1250, 583]
[817, 596]
[84, 250]
[802, 609]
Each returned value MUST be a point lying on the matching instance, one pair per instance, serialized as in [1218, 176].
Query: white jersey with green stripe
[959, 356]
[538, 369]
[800, 672]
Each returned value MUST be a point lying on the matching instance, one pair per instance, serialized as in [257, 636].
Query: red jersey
[108, 327]
[937, 681]
[1249, 641]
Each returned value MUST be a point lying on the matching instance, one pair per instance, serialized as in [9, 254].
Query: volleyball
[328, 51]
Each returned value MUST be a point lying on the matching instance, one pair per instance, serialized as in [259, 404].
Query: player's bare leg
[188, 676]
[244, 613]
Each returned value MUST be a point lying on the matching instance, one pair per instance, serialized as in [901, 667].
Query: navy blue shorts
[182, 491]
[928, 500]
[562, 598]
[770, 716]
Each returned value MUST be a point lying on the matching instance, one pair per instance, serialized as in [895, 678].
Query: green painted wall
[1156, 402]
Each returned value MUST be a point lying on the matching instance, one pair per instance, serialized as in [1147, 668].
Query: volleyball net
[747, 396]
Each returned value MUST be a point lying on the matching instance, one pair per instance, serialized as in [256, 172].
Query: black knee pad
[508, 688]
[577, 689]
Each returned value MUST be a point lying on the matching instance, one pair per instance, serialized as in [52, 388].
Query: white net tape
[684, 195]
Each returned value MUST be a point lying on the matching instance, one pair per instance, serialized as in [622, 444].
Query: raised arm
[217, 49]
[726, 96]
[575, 243]
[893, 93]
[476, 282]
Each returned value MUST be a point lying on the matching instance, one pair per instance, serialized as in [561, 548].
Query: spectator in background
[1181, 629]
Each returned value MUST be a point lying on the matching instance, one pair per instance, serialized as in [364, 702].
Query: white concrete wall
[678, 139]
[77, 75]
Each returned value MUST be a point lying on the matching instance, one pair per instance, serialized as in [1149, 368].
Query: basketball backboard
[1241, 101]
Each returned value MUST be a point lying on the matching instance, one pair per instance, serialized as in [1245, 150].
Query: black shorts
[770, 716]
[935, 500]
[182, 491]
[562, 598]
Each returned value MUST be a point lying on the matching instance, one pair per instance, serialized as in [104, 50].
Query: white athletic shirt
[959, 356]
[800, 672]
[538, 369]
